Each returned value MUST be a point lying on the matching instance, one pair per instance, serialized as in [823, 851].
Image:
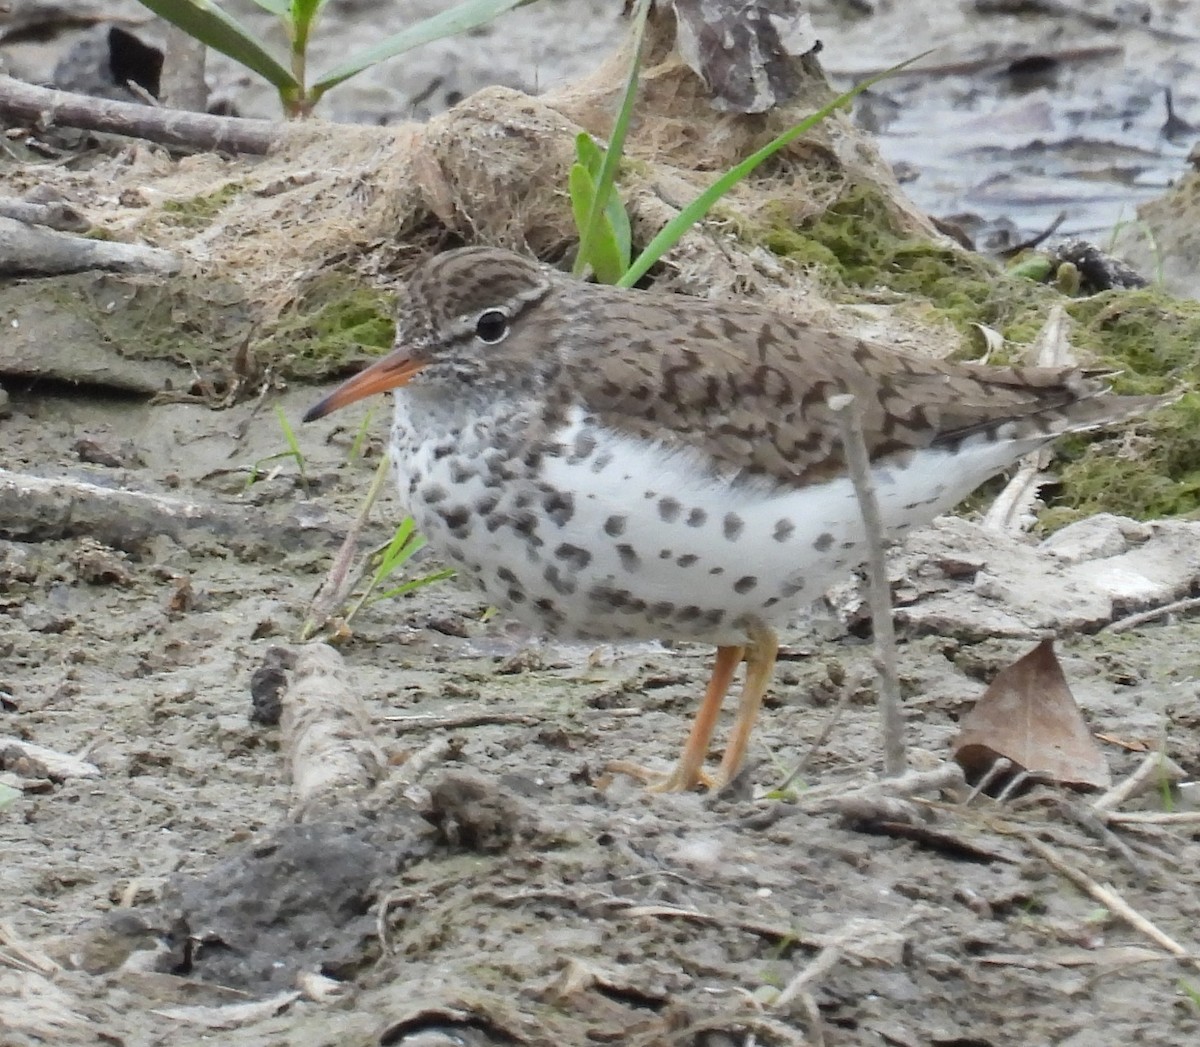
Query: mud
[516, 893]
[500, 886]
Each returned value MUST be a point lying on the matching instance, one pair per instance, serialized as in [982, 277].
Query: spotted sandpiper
[611, 465]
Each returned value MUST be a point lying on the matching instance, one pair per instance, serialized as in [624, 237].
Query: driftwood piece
[34, 508]
[29, 250]
[24, 103]
[55, 215]
[43, 762]
[327, 733]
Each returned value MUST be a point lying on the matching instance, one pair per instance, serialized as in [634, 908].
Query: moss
[193, 321]
[856, 247]
[1149, 339]
[335, 324]
[199, 211]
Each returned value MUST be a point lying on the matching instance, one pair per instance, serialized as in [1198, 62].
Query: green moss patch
[336, 324]
[197, 212]
[1148, 469]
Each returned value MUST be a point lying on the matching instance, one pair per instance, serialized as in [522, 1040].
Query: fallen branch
[327, 736]
[23, 103]
[38, 509]
[42, 762]
[1192, 603]
[1155, 767]
[1109, 898]
[429, 722]
[27, 250]
[57, 215]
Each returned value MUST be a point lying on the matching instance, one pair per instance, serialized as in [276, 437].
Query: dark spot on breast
[458, 520]
[669, 509]
[601, 462]
[505, 575]
[823, 542]
[783, 530]
[732, 526]
[687, 559]
[696, 517]
[576, 557]
[441, 451]
[614, 526]
[559, 582]
[559, 506]
[434, 493]
[745, 583]
[525, 524]
[629, 559]
[583, 447]
[515, 595]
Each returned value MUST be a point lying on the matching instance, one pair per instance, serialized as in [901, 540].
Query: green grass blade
[414, 584]
[457, 20]
[670, 234]
[279, 8]
[207, 23]
[616, 143]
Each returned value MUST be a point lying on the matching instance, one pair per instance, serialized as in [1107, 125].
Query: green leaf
[207, 23]
[457, 20]
[671, 233]
[303, 16]
[605, 255]
[589, 154]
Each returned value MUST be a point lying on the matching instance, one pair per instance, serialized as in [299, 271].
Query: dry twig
[28, 250]
[326, 732]
[1192, 603]
[1154, 769]
[24, 103]
[1110, 899]
[858, 461]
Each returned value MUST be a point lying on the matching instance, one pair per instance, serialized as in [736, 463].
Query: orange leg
[760, 664]
[689, 771]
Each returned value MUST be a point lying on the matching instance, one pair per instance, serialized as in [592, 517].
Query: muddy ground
[500, 887]
[516, 893]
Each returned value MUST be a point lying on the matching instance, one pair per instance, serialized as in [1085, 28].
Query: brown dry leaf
[1028, 716]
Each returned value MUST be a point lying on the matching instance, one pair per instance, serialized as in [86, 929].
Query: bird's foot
[680, 780]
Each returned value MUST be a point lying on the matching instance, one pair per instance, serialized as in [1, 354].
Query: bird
[614, 465]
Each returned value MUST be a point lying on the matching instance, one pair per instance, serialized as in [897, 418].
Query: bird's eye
[491, 327]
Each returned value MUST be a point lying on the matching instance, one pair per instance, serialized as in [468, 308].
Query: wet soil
[514, 891]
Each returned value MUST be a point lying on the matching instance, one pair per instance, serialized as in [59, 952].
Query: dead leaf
[1029, 716]
[747, 52]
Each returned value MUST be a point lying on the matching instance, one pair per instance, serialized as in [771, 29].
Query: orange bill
[391, 372]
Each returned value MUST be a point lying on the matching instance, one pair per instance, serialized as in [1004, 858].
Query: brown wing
[749, 388]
